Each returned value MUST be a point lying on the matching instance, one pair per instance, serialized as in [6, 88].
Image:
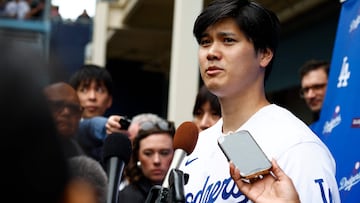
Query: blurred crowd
[35, 10]
[64, 121]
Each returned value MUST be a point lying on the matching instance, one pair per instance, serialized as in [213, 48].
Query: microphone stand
[153, 194]
[174, 194]
[176, 184]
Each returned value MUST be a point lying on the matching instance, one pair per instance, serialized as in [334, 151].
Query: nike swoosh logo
[189, 161]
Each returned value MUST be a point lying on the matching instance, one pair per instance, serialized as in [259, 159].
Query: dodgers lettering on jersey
[211, 192]
[323, 195]
[227, 190]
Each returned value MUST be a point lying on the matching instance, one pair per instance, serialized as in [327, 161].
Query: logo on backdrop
[344, 73]
[347, 183]
[354, 24]
[334, 121]
[355, 123]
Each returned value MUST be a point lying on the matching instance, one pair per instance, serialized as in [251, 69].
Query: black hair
[260, 25]
[314, 64]
[89, 170]
[90, 72]
[203, 96]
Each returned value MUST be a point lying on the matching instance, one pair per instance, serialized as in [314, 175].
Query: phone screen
[241, 148]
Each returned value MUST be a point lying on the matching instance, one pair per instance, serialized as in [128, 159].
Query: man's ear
[265, 57]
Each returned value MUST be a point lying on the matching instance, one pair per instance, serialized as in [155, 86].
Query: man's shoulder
[316, 127]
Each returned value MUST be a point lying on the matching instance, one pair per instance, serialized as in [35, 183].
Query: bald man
[66, 111]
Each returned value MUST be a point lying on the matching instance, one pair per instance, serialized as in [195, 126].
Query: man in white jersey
[237, 44]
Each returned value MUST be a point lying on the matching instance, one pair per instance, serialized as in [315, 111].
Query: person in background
[237, 46]
[16, 9]
[314, 78]
[33, 168]
[206, 111]
[36, 11]
[113, 126]
[151, 158]
[83, 17]
[113, 123]
[66, 110]
[94, 87]
[54, 14]
[88, 181]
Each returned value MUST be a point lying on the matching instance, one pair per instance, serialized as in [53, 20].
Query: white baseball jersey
[282, 136]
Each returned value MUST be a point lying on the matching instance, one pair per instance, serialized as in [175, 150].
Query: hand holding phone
[241, 148]
[124, 123]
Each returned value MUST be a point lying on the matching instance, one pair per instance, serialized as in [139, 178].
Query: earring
[138, 164]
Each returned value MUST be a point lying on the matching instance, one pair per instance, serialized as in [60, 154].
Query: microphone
[185, 139]
[116, 154]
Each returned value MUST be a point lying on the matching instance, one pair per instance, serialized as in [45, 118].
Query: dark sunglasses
[59, 106]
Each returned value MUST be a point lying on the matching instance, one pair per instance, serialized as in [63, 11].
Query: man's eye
[199, 112]
[205, 42]
[229, 40]
[100, 89]
[83, 89]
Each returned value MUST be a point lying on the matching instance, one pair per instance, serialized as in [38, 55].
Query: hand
[269, 189]
[113, 126]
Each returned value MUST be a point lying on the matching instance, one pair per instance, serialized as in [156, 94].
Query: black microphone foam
[116, 154]
[117, 145]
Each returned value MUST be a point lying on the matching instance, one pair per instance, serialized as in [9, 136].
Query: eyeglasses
[59, 106]
[316, 87]
[148, 127]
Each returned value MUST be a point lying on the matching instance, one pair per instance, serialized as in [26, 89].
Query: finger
[114, 118]
[233, 171]
[278, 172]
[235, 175]
[114, 124]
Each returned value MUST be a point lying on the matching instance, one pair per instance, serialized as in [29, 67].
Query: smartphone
[241, 148]
[125, 123]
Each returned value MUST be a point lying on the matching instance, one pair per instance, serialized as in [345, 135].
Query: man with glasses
[314, 77]
[65, 107]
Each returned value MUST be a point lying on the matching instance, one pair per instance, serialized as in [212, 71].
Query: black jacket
[136, 192]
